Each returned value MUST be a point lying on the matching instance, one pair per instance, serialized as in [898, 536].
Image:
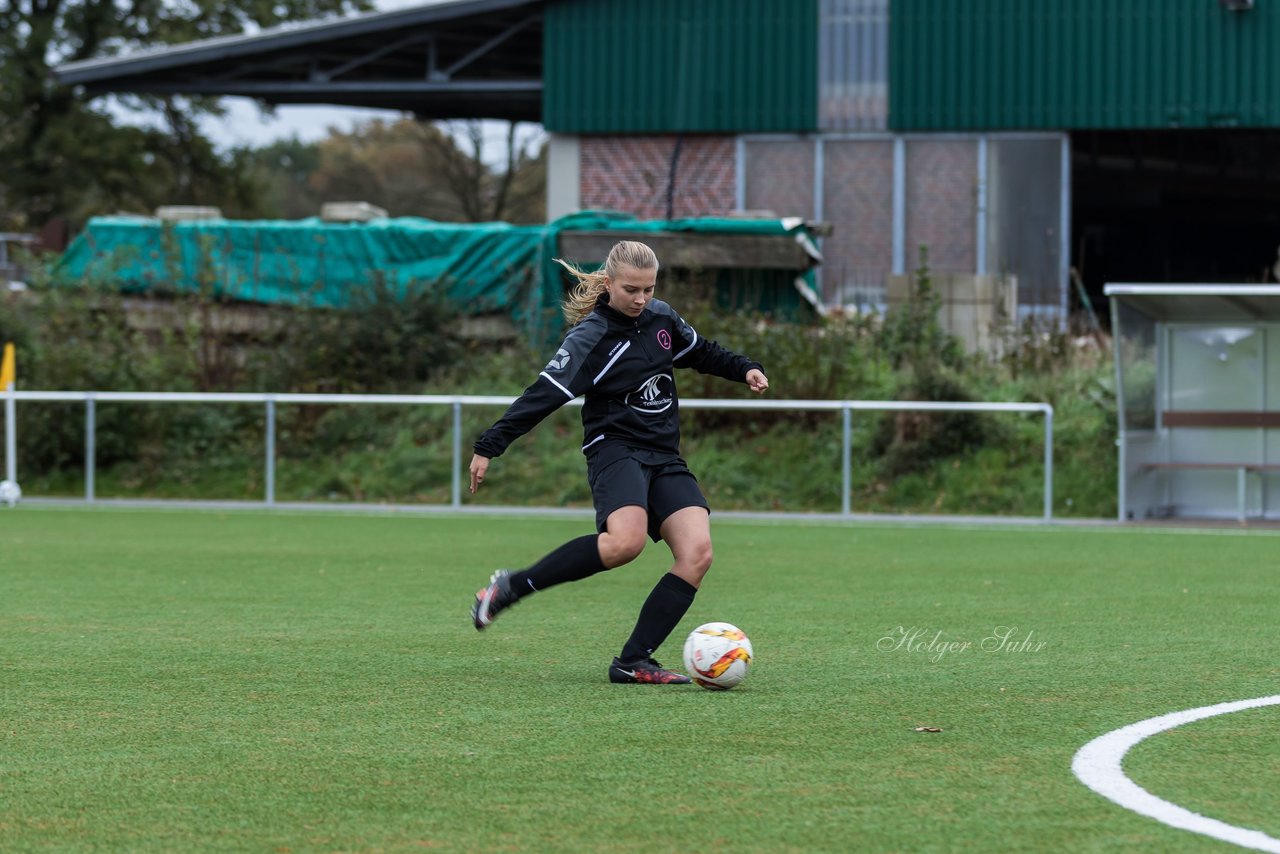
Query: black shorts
[661, 488]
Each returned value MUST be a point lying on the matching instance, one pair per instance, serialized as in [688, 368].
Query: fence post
[270, 462]
[846, 459]
[10, 434]
[90, 445]
[455, 490]
[1048, 463]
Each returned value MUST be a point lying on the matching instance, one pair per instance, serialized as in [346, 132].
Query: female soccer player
[620, 354]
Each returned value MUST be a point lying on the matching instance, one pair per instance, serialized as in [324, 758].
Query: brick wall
[631, 173]
[780, 177]
[858, 203]
[942, 187]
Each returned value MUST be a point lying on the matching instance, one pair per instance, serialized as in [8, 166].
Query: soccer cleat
[491, 601]
[644, 672]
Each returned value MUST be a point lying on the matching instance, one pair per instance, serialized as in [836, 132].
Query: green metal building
[713, 66]
[1083, 65]
[736, 66]
[1032, 139]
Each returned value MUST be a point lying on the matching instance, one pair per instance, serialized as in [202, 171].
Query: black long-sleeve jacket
[625, 368]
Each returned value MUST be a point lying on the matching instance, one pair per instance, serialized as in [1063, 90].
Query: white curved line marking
[1098, 766]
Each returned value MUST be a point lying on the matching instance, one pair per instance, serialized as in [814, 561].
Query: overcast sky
[246, 124]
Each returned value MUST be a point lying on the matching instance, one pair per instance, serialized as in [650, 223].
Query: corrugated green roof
[1072, 64]
[728, 66]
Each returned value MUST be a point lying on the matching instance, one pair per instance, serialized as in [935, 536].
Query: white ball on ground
[717, 655]
[9, 492]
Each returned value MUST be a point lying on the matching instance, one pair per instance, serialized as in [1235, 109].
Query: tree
[63, 153]
[280, 173]
[388, 164]
[413, 168]
[514, 192]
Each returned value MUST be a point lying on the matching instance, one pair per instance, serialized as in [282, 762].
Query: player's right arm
[565, 377]
[479, 465]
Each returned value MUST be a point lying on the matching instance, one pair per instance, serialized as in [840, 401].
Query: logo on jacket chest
[654, 395]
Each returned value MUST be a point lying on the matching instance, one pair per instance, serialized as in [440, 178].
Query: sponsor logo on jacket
[654, 395]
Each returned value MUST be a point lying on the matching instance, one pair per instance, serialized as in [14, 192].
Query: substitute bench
[1198, 400]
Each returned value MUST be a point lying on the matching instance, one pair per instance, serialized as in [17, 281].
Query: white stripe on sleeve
[557, 385]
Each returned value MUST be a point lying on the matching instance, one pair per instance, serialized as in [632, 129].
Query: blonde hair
[582, 296]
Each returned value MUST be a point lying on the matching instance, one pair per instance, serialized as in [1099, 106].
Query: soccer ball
[717, 656]
[9, 492]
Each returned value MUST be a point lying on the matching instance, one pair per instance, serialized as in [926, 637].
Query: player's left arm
[708, 357]
[757, 381]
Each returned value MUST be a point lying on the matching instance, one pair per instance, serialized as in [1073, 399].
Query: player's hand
[757, 381]
[479, 465]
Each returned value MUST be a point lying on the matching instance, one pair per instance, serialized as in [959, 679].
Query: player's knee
[694, 563]
[702, 556]
[622, 547]
[707, 556]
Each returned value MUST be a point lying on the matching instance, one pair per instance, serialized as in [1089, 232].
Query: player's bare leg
[688, 534]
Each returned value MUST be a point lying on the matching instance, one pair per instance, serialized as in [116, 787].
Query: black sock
[575, 560]
[661, 612]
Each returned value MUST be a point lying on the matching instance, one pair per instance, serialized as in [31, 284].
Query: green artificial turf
[178, 681]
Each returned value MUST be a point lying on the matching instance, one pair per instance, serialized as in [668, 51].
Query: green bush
[911, 441]
[387, 340]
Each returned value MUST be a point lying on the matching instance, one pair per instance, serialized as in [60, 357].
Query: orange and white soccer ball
[717, 655]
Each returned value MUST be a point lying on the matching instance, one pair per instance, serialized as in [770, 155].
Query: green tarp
[484, 267]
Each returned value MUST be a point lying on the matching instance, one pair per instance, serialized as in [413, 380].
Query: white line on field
[1098, 766]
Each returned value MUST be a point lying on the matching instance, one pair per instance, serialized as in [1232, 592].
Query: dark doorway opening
[1175, 206]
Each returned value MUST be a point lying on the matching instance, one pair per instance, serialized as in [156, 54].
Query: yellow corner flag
[8, 372]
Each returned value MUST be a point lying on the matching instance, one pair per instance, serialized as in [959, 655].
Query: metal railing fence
[270, 401]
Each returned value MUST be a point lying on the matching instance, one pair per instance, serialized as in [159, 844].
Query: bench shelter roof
[1201, 303]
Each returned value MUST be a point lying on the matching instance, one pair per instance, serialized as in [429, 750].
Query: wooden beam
[693, 250]
[1219, 418]
[1259, 467]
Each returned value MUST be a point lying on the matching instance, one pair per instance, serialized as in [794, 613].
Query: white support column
[819, 171]
[819, 203]
[564, 176]
[980, 230]
[899, 206]
[740, 174]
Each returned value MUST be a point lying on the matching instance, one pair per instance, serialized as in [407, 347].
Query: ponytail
[583, 296]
